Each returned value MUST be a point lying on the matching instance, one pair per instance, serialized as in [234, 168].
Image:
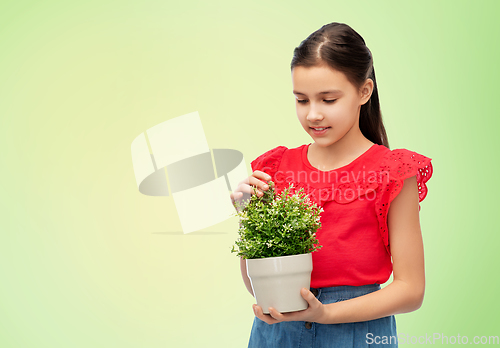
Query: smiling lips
[320, 130]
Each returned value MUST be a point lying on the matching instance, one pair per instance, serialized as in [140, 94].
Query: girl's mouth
[320, 130]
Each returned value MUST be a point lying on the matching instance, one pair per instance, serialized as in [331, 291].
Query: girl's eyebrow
[325, 92]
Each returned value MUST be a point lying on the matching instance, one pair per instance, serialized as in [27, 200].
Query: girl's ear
[366, 91]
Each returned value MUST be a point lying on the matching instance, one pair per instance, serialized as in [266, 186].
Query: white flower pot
[276, 281]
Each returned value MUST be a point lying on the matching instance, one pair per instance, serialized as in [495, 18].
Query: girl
[370, 195]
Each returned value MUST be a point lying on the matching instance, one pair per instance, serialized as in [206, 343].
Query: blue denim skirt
[299, 334]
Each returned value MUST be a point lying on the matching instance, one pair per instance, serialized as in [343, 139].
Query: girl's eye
[328, 101]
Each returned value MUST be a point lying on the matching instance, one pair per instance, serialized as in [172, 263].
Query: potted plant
[277, 235]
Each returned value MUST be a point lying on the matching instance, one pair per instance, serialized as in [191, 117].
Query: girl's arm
[404, 294]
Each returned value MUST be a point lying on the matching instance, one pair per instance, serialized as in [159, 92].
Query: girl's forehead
[318, 78]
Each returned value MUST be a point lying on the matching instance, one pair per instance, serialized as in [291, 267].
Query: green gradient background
[88, 261]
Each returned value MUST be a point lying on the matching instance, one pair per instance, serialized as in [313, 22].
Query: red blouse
[355, 199]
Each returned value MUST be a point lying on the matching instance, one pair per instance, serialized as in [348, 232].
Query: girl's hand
[245, 188]
[314, 313]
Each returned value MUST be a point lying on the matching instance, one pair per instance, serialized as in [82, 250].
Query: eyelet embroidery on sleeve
[404, 164]
[269, 161]
[398, 166]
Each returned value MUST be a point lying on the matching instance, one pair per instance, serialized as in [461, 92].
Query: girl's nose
[314, 115]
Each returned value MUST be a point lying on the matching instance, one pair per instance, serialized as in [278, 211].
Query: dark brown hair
[343, 49]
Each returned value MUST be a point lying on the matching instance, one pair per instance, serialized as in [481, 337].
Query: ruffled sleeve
[269, 161]
[395, 167]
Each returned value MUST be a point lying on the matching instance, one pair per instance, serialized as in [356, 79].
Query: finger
[264, 317]
[251, 185]
[256, 187]
[261, 175]
[237, 200]
[244, 188]
[309, 297]
[237, 195]
[258, 178]
[276, 314]
[259, 185]
[301, 315]
[234, 195]
[316, 310]
[241, 193]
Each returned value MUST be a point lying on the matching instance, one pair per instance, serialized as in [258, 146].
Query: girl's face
[325, 98]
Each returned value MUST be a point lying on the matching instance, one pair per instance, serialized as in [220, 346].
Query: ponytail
[370, 117]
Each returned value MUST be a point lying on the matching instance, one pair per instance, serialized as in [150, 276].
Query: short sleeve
[269, 161]
[397, 166]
